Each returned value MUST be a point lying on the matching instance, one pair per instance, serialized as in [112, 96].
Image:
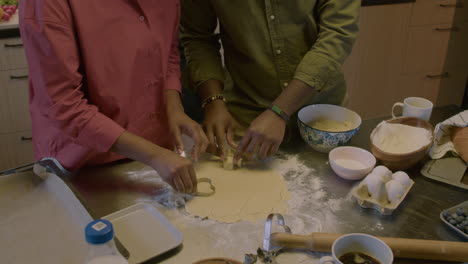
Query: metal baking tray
[144, 231]
[452, 210]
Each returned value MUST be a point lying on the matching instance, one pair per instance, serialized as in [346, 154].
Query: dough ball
[228, 163]
[376, 187]
[395, 191]
[402, 178]
[383, 172]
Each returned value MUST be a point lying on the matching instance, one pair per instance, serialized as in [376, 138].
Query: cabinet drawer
[424, 85]
[17, 149]
[452, 88]
[461, 13]
[15, 99]
[426, 48]
[12, 54]
[427, 12]
[457, 55]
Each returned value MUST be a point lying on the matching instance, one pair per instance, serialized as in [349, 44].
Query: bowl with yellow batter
[325, 127]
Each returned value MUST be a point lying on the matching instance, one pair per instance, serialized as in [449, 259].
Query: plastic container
[102, 250]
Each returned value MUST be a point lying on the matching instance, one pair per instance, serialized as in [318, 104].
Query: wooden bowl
[403, 161]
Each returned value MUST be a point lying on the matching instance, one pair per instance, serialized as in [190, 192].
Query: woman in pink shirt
[104, 84]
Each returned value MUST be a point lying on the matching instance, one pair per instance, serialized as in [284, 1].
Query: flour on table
[310, 209]
[400, 139]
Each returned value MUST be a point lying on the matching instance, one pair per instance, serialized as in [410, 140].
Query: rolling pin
[401, 247]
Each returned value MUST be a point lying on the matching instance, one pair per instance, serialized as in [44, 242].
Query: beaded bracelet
[279, 112]
[213, 98]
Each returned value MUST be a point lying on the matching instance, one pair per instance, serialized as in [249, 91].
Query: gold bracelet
[213, 98]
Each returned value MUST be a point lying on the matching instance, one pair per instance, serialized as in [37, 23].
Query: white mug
[362, 243]
[415, 107]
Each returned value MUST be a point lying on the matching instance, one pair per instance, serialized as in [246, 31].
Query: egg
[383, 172]
[402, 178]
[376, 187]
[395, 190]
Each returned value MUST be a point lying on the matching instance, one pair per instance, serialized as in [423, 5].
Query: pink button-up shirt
[97, 68]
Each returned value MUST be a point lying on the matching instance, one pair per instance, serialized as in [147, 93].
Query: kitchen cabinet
[15, 128]
[430, 12]
[12, 54]
[376, 59]
[410, 49]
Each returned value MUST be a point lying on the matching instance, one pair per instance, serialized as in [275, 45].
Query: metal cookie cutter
[212, 187]
[267, 253]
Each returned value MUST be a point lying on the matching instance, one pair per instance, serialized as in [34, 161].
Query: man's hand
[263, 136]
[175, 170]
[219, 126]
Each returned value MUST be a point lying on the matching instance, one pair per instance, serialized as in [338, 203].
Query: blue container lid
[99, 232]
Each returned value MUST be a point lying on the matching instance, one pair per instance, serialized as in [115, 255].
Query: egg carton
[364, 199]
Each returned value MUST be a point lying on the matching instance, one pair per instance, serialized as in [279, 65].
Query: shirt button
[272, 17]
[142, 18]
[278, 51]
[285, 84]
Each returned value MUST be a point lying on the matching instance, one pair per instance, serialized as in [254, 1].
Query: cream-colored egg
[376, 187]
[402, 178]
[384, 173]
[395, 191]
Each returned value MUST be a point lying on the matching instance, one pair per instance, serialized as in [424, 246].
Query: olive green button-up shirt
[267, 43]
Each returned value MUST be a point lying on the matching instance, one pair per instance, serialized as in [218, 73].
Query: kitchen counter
[10, 28]
[417, 216]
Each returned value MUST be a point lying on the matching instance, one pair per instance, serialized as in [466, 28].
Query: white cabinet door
[12, 54]
[4, 109]
[17, 150]
[18, 100]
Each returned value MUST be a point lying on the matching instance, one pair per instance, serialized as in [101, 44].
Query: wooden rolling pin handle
[401, 247]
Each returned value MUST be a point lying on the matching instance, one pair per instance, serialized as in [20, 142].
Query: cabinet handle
[437, 76]
[447, 29]
[23, 138]
[13, 45]
[18, 77]
[457, 5]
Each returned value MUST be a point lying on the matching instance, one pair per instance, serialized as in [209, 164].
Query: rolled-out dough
[247, 193]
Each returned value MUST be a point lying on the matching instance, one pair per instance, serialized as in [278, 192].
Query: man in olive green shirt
[281, 53]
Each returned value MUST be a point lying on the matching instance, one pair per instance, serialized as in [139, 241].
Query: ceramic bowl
[351, 163]
[404, 161]
[324, 141]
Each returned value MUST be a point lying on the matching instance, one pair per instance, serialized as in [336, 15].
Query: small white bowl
[351, 163]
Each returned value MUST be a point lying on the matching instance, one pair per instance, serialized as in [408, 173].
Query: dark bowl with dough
[403, 161]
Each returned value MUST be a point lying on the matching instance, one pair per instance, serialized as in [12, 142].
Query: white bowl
[351, 163]
[324, 141]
